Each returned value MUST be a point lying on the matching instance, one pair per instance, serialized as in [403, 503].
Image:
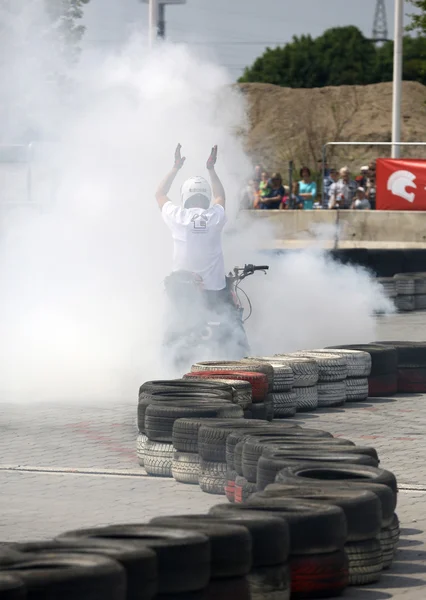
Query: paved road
[74, 465]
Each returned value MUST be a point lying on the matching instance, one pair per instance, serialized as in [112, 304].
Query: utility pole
[157, 18]
[397, 77]
[153, 22]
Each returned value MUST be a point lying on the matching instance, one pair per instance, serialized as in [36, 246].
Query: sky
[233, 32]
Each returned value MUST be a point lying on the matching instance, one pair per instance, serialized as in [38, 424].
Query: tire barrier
[411, 366]
[406, 290]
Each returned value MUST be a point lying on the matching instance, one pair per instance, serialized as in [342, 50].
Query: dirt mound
[294, 124]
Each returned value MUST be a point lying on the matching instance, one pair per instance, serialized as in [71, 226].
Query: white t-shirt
[197, 237]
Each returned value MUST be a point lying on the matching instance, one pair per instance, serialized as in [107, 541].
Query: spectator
[362, 177]
[264, 188]
[257, 175]
[361, 201]
[371, 185]
[325, 183]
[328, 182]
[293, 202]
[249, 197]
[343, 191]
[307, 188]
[276, 194]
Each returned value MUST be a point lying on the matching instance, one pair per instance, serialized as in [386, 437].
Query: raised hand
[212, 158]
[179, 160]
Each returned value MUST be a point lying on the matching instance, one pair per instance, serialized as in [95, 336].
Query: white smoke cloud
[82, 301]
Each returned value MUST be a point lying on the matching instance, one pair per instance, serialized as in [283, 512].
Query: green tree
[414, 60]
[418, 20]
[341, 56]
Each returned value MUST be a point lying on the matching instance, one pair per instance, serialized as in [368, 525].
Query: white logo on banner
[399, 181]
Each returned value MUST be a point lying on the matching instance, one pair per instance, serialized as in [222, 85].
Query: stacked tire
[306, 374]
[259, 374]
[388, 285]
[332, 374]
[405, 292]
[359, 370]
[383, 379]
[161, 403]
[411, 358]
[282, 396]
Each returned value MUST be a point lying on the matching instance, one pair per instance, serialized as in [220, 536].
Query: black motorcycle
[204, 325]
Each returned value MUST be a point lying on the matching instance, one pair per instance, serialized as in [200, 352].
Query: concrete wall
[352, 228]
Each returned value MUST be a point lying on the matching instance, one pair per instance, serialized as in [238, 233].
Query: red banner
[400, 184]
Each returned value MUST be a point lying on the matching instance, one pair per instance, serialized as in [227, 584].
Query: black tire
[410, 354]
[239, 434]
[186, 467]
[337, 474]
[243, 489]
[268, 468]
[284, 404]
[139, 563]
[171, 397]
[172, 386]
[230, 545]
[158, 458]
[254, 445]
[11, 588]
[270, 535]
[212, 438]
[332, 367]
[384, 359]
[183, 557]
[405, 303]
[247, 365]
[356, 389]
[263, 411]
[159, 418]
[241, 389]
[185, 431]
[383, 385]
[270, 582]
[363, 510]
[283, 374]
[295, 448]
[386, 540]
[305, 370]
[404, 284]
[70, 575]
[212, 479]
[314, 529]
[388, 285]
[306, 398]
[331, 393]
[365, 561]
[140, 448]
[316, 576]
[420, 302]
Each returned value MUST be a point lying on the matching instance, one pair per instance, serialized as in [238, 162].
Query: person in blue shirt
[307, 188]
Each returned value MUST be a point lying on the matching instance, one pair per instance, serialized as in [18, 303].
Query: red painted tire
[412, 380]
[230, 485]
[383, 385]
[259, 381]
[319, 575]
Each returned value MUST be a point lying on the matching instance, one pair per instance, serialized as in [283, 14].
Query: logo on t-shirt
[199, 223]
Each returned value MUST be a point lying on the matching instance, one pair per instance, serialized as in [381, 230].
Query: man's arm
[166, 184]
[217, 187]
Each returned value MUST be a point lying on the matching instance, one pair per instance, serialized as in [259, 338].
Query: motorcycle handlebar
[261, 268]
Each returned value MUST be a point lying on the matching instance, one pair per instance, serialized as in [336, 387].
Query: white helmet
[196, 186]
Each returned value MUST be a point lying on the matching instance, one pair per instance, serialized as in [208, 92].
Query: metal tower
[380, 24]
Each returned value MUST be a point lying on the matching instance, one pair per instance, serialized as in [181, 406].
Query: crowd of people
[339, 189]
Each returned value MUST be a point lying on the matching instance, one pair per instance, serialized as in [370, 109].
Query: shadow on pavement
[407, 531]
[395, 581]
[409, 543]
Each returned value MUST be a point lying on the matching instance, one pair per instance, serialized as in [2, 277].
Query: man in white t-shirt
[197, 226]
